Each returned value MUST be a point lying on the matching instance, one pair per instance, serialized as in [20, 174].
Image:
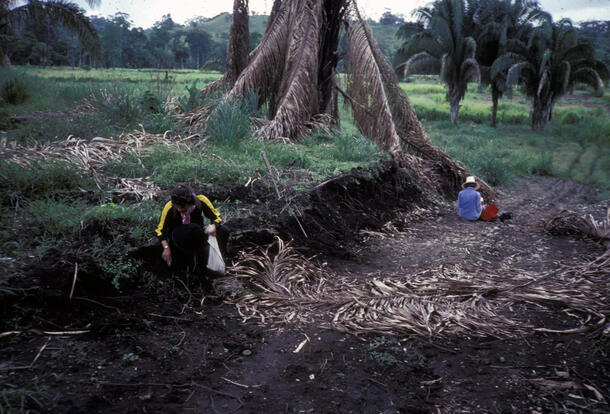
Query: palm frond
[589, 76]
[421, 61]
[286, 287]
[266, 66]
[514, 72]
[602, 70]
[581, 50]
[544, 81]
[544, 61]
[420, 42]
[63, 12]
[405, 122]
[446, 68]
[442, 29]
[503, 63]
[566, 74]
[372, 115]
[471, 70]
[470, 47]
[298, 97]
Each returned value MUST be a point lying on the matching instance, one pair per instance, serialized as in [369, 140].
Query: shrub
[491, 163]
[86, 67]
[158, 123]
[14, 91]
[51, 218]
[571, 118]
[151, 103]
[192, 100]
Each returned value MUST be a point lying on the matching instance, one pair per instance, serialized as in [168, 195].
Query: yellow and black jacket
[170, 217]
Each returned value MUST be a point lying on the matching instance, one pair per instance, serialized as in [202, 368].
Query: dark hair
[183, 195]
[470, 185]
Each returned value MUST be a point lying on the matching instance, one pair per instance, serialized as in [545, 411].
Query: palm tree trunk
[6, 61]
[454, 104]
[541, 113]
[495, 96]
[239, 41]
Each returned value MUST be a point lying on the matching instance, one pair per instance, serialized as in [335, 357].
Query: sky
[144, 13]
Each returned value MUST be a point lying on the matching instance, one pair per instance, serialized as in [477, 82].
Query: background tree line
[166, 44]
[503, 43]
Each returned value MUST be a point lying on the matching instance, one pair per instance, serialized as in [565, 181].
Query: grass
[53, 204]
[575, 146]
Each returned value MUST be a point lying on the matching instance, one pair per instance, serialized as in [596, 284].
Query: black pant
[189, 245]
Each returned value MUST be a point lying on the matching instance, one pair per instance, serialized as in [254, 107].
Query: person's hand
[167, 255]
[210, 230]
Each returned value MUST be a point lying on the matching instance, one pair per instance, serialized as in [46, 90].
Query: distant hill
[219, 26]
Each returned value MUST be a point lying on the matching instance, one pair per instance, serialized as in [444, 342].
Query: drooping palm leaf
[62, 12]
[372, 114]
[298, 92]
[394, 106]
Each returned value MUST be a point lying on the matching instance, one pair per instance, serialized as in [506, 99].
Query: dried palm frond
[92, 156]
[266, 66]
[297, 99]
[570, 223]
[447, 300]
[383, 111]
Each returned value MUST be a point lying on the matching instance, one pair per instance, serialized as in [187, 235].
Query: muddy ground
[158, 349]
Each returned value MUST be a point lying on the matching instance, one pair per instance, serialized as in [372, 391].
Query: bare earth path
[163, 356]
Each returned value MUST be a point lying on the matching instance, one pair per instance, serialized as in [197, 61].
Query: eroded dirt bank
[158, 349]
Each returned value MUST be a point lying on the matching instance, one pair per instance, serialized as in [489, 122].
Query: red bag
[490, 213]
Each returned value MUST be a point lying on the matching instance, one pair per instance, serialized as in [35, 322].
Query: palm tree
[549, 64]
[444, 47]
[499, 24]
[54, 11]
[294, 71]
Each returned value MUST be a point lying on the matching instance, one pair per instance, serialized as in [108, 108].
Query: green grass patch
[39, 180]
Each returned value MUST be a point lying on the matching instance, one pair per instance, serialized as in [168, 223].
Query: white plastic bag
[216, 264]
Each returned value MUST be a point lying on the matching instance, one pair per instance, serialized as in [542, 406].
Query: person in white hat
[470, 203]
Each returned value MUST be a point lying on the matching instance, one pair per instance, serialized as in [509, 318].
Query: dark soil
[157, 349]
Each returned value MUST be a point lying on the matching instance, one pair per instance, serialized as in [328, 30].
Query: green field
[109, 102]
[53, 198]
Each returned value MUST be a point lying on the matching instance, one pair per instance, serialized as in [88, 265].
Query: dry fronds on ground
[567, 222]
[91, 157]
[284, 286]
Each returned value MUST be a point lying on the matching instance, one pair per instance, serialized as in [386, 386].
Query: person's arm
[210, 212]
[479, 203]
[162, 231]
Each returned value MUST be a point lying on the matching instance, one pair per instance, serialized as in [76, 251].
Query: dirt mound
[327, 218]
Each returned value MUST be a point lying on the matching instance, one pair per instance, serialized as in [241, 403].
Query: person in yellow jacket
[181, 230]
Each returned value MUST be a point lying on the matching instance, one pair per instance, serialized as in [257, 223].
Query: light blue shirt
[469, 204]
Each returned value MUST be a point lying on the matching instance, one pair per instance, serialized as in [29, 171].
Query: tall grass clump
[120, 104]
[229, 123]
[491, 163]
